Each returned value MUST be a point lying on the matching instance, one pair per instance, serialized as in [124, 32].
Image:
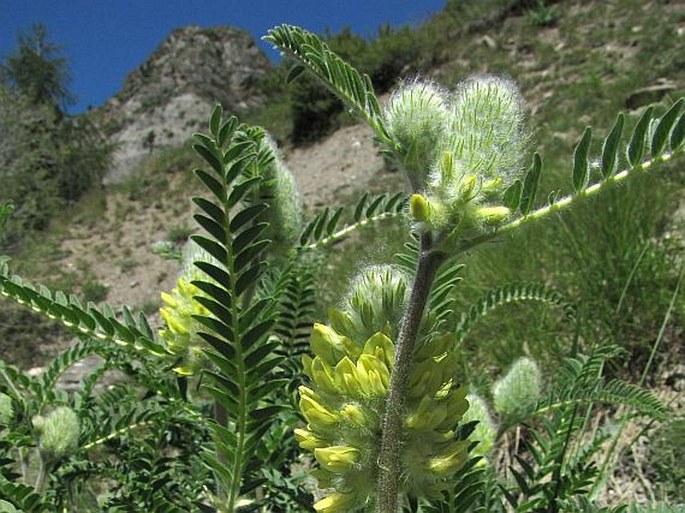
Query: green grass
[94, 291]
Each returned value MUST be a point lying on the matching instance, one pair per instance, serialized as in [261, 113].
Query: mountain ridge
[167, 97]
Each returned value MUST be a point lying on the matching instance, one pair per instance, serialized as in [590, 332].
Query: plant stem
[566, 202]
[389, 468]
[42, 474]
[24, 464]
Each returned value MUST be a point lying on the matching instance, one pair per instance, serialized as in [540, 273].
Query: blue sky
[106, 39]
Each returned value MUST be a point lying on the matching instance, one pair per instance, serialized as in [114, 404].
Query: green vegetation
[48, 159]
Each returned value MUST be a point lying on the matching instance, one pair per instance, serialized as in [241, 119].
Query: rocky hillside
[168, 97]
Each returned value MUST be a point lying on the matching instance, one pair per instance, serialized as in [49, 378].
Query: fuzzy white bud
[417, 116]
[280, 192]
[517, 393]
[375, 301]
[486, 431]
[60, 432]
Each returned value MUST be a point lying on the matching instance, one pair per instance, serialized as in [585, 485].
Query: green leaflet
[663, 129]
[313, 54]
[636, 146]
[530, 185]
[581, 173]
[610, 147]
[325, 228]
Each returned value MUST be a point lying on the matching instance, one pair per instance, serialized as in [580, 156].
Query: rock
[489, 42]
[650, 94]
[173, 92]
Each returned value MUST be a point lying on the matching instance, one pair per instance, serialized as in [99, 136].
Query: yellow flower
[451, 460]
[428, 415]
[316, 414]
[346, 378]
[355, 414]
[380, 346]
[335, 503]
[337, 458]
[308, 440]
[322, 376]
[419, 208]
[373, 376]
[326, 344]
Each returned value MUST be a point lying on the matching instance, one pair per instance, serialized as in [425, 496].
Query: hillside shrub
[48, 159]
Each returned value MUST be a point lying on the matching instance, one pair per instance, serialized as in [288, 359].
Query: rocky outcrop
[173, 92]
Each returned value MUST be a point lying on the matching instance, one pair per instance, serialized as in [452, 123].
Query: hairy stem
[42, 474]
[24, 464]
[564, 203]
[389, 468]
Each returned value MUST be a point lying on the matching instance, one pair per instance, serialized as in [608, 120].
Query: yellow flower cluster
[180, 335]
[344, 408]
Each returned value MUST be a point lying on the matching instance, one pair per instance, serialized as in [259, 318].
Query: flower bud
[429, 376]
[308, 440]
[322, 376]
[455, 405]
[355, 414]
[181, 333]
[380, 346]
[373, 376]
[59, 433]
[419, 208]
[517, 393]
[375, 301]
[316, 414]
[346, 378]
[485, 431]
[486, 127]
[428, 414]
[492, 215]
[280, 191]
[450, 460]
[416, 117]
[480, 155]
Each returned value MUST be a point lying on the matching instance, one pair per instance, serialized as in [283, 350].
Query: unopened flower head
[279, 190]
[518, 392]
[375, 301]
[417, 117]
[477, 154]
[336, 503]
[59, 433]
[485, 431]
[486, 137]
